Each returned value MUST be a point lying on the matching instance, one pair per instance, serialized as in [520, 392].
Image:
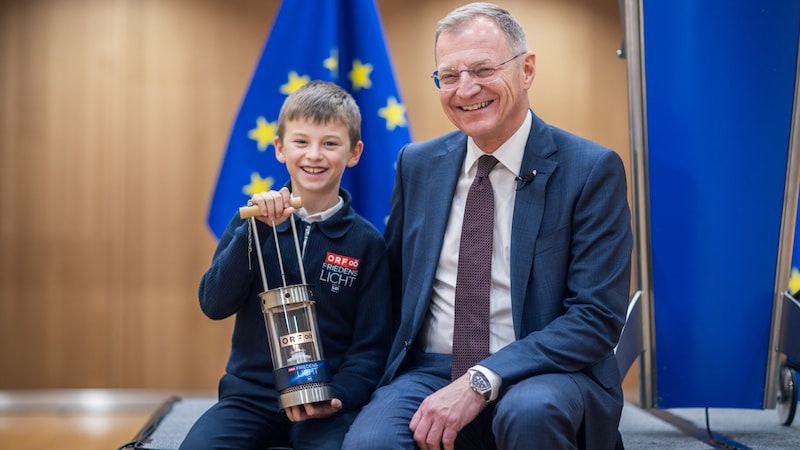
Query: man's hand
[319, 410]
[444, 413]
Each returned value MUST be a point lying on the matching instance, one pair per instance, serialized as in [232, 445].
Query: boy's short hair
[322, 102]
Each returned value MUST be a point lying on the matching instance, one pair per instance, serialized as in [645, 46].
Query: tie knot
[485, 165]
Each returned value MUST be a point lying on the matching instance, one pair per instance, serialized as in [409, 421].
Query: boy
[318, 136]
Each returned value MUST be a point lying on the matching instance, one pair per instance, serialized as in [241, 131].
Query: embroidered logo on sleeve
[339, 271]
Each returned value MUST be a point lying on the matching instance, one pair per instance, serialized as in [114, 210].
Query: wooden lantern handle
[245, 212]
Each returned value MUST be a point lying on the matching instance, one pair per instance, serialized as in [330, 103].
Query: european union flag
[340, 41]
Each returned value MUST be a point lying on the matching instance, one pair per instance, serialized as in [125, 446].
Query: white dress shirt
[437, 332]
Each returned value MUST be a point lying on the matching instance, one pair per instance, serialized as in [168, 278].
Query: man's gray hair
[514, 32]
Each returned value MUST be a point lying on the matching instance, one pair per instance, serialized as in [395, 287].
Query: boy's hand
[319, 410]
[275, 206]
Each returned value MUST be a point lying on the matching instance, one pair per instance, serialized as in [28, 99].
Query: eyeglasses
[448, 79]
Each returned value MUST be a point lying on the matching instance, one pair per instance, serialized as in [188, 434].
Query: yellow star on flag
[257, 184]
[332, 63]
[394, 113]
[359, 76]
[295, 82]
[794, 281]
[263, 133]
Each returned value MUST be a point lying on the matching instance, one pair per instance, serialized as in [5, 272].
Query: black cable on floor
[690, 429]
[715, 440]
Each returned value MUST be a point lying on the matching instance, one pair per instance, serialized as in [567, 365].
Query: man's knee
[382, 423]
[366, 435]
[542, 400]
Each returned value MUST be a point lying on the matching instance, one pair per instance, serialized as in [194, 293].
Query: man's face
[491, 110]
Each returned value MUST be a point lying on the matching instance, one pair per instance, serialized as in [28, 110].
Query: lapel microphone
[524, 180]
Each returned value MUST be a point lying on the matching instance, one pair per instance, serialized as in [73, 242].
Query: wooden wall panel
[114, 116]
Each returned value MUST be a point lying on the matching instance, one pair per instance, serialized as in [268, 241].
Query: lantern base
[306, 393]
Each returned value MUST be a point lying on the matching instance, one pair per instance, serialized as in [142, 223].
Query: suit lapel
[528, 212]
[441, 176]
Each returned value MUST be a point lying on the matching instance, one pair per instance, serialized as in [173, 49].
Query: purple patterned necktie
[474, 279]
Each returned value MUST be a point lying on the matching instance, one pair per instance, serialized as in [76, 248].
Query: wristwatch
[480, 384]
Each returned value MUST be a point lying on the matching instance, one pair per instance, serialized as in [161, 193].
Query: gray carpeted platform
[173, 428]
[685, 428]
[640, 429]
[643, 431]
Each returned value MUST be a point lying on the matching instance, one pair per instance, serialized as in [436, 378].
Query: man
[559, 251]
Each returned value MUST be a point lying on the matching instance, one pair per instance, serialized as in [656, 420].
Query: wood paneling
[114, 116]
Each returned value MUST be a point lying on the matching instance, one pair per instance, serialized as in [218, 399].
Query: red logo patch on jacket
[339, 271]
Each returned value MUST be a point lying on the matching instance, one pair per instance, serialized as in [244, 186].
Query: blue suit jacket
[571, 248]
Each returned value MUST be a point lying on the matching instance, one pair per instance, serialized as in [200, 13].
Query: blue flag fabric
[340, 41]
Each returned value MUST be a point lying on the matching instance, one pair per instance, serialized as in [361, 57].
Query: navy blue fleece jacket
[353, 309]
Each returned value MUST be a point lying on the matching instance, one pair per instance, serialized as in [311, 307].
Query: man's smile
[475, 106]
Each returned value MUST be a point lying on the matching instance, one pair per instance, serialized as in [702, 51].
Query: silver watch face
[480, 383]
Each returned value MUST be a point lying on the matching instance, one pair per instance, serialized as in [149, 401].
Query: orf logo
[342, 261]
[339, 271]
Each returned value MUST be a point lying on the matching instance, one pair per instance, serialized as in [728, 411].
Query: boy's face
[316, 155]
